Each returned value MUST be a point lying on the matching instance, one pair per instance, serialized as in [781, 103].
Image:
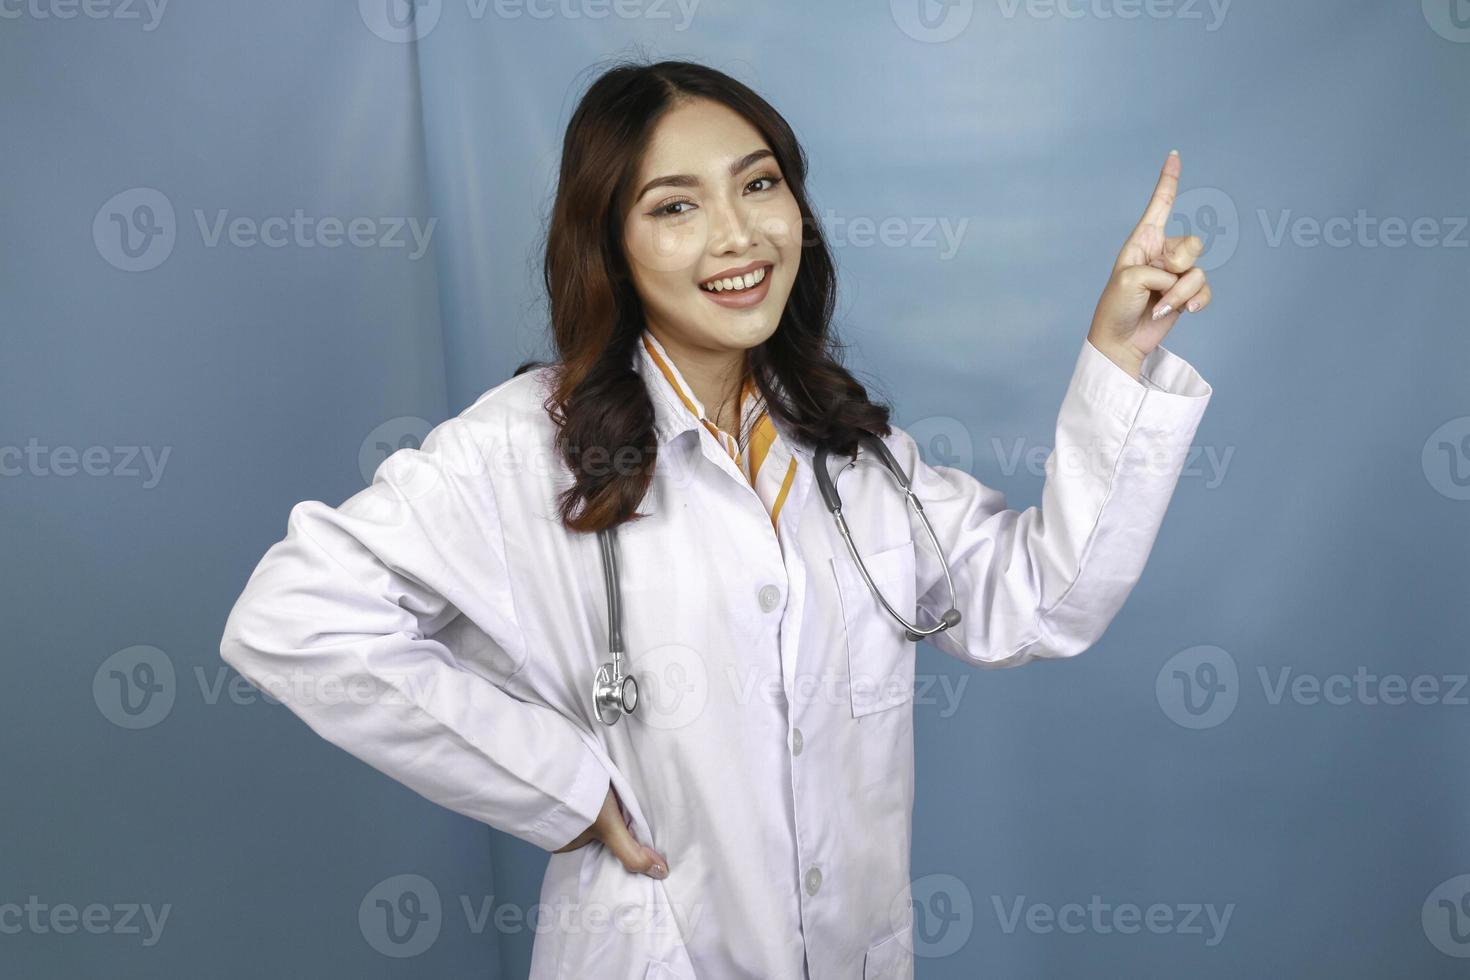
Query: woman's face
[711, 202]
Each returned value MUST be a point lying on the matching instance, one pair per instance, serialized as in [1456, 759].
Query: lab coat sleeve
[338, 620]
[1045, 582]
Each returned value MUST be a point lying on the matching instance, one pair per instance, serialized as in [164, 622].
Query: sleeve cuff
[1171, 395]
[581, 807]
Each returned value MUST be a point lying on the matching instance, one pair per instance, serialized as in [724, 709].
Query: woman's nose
[732, 226]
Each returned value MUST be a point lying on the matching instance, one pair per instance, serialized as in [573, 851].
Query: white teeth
[742, 282]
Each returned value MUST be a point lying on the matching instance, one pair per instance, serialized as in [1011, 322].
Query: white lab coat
[444, 627]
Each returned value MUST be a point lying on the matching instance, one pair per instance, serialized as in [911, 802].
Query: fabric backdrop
[250, 249]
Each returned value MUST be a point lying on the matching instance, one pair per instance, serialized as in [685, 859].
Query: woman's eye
[667, 210]
[664, 210]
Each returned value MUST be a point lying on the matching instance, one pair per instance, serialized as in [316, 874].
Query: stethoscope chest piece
[613, 696]
[614, 693]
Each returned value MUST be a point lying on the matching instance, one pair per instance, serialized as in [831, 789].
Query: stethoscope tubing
[615, 693]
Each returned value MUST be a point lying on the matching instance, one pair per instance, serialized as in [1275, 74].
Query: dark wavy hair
[598, 401]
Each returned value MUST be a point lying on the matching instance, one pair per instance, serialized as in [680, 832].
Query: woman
[750, 818]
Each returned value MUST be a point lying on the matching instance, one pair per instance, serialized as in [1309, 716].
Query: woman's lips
[739, 299]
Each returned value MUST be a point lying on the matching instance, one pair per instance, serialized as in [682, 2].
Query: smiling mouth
[736, 284]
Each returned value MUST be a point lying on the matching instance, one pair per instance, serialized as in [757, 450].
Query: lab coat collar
[673, 418]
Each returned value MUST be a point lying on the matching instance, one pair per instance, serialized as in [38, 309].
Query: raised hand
[1153, 281]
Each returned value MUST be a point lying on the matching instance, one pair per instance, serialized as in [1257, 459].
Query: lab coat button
[769, 596]
[813, 880]
[796, 741]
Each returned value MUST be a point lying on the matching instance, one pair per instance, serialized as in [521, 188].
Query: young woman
[749, 815]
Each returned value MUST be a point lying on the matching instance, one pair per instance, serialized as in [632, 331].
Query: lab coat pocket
[622, 924]
[880, 660]
[890, 959]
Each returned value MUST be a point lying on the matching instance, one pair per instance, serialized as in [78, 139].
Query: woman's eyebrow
[685, 180]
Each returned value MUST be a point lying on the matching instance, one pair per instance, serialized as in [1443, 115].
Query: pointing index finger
[1161, 205]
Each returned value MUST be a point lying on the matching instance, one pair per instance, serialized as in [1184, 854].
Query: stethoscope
[615, 692]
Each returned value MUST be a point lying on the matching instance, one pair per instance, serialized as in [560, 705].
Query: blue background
[1321, 529]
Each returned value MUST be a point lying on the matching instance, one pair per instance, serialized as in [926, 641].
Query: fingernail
[1162, 310]
[658, 871]
[1173, 153]
[1192, 306]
